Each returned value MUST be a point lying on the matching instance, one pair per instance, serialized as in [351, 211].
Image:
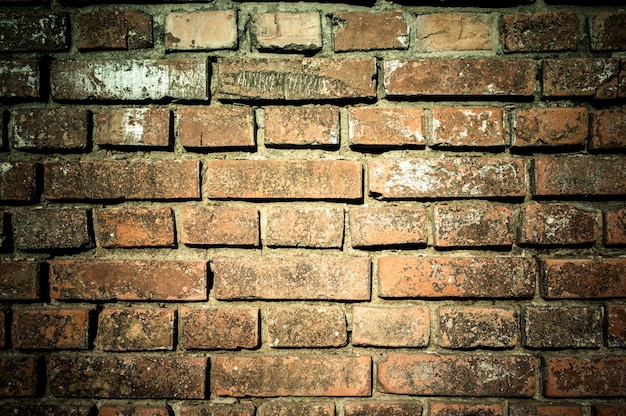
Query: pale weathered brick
[287, 31]
[203, 30]
[454, 32]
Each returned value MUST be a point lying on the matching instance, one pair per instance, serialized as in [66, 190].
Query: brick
[18, 376]
[459, 77]
[302, 126]
[122, 179]
[135, 227]
[217, 410]
[542, 409]
[468, 127]
[304, 227]
[607, 31]
[547, 127]
[477, 327]
[608, 129]
[607, 410]
[391, 327]
[353, 31]
[298, 278]
[132, 410]
[584, 278]
[461, 409]
[215, 127]
[114, 30]
[3, 329]
[309, 327]
[579, 176]
[472, 226]
[295, 79]
[451, 375]
[450, 277]
[388, 226]
[36, 129]
[127, 377]
[595, 78]
[401, 126]
[136, 80]
[5, 234]
[34, 32]
[539, 32]
[283, 31]
[134, 329]
[382, 408]
[145, 127]
[17, 181]
[51, 229]
[616, 326]
[20, 79]
[128, 280]
[561, 225]
[453, 32]
[458, 177]
[590, 376]
[219, 329]
[267, 376]
[220, 226]
[284, 179]
[31, 409]
[19, 280]
[562, 326]
[283, 408]
[202, 30]
[50, 329]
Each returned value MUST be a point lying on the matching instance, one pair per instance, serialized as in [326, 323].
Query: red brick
[304, 227]
[215, 127]
[217, 410]
[451, 375]
[219, 329]
[458, 177]
[454, 32]
[17, 181]
[579, 176]
[588, 376]
[388, 226]
[472, 226]
[383, 408]
[56, 329]
[308, 327]
[581, 77]
[302, 126]
[562, 326]
[584, 278]
[547, 225]
[4, 231]
[462, 409]
[459, 77]
[608, 129]
[477, 327]
[607, 410]
[539, 32]
[616, 326]
[20, 79]
[283, 31]
[148, 127]
[266, 376]
[539, 127]
[132, 410]
[377, 126]
[468, 127]
[203, 30]
[391, 327]
[114, 30]
[51, 229]
[542, 409]
[3, 326]
[314, 278]
[220, 226]
[607, 31]
[456, 277]
[295, 79]
[40, 409]
[151, 79]
[127, 377]
[128, 280]
[34, 32]
[122, 179]
[133, 329]
[361, 31]
[19, 280]
[18, 376]
[36, 129]
[136, 227]
[284, 408]
[284, 179]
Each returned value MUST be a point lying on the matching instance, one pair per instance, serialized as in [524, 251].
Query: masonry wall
[235, 208]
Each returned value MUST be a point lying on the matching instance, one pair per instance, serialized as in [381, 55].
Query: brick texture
[302, 126]
[391, 327]
[135, 227]
[454, 32]
[584, 278]
[21, 79]
[132, 127]
[606, 31]
[361, 31]
[608, 130]
[284, 31]
[373, 408]
[454, 409]
[581, 77]
[475, 327]
[563, 327]
[133, 329]
[17, 181]
[51, 229]
[615, 225]
[539, 32]
[215, 127]
[114, 30]
[388, 226]
[219, 329]
[58, 329]
[19, 280]
[550, 127]
[584, 377]
[616, 328]
[306, 327]
[304, 227]
[215, 29]
[18, 376]
[38, 129]
[220, 226]
[472, 226]
[402, 127]
[468, 127]
[46, 32]
[558, 225]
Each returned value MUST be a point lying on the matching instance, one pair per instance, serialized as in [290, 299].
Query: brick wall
[233, 208]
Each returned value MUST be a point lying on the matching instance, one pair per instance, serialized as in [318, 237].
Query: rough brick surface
[607, 32]
[46, 32]
[615, 225]
[616, 327]
[304, 227]
[20, 79]
[607, 410]
[306, 327]
[476, 327]
[468, 127]
[401, 127]
[217, 410]
[584, 278]
[302, 126]
[391, 327]
[132, 127]
[550, 127]
[31, 409]
[608, 131]
[284, 408]
[17, 181]
[134, 329]
[135, 227]
[3, 329]
[37, 129]
[219, 329]
[51, 229]
[125, 410]
[558, 225]
[539, 32]
[287, 31]
[215, 127]
[388, 226]
[460, 409]
[204, 30]
[19, 280]
[220, 226]
[361, 31]
[18, 376]
[58, 329]
[454, 32]
[562, 327]
[382, 408]
[581, 77]
[472, 226]
[114, 30]
[543, 409]
[584, 377]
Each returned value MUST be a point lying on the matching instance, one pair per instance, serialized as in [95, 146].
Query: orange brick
[304, 227]
[550, 127]
[608, 131]
[472, 226]
[302, 126]
[309, 327]
[217, 409]
[203, 30]
[600, 376]
[607, 410]
[401, 126]
[388, 226]
[391, 327]
[561, 224]
[215, 127]
[615, 226]
[378, 408]
[287, 31]
[539, 32]
[458, 409]
[132, 127]
[136, 227]
[454, 32]
[50, 329]
[541, 409]
[477, 327]
[219, 329]
[361, 31]
[220, 226]
[468, 127]
[134, 329]
[596, 78]
[584, 278]
[284, 408]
